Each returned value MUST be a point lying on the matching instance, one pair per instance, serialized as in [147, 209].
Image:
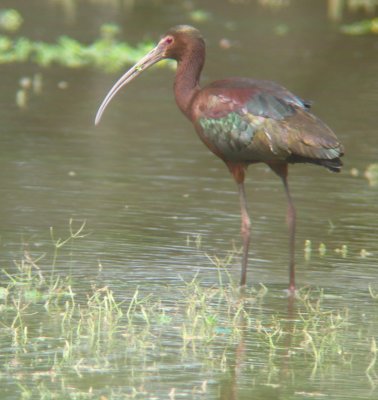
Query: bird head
[174, 45]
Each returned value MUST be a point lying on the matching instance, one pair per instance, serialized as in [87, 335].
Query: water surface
[144, 184]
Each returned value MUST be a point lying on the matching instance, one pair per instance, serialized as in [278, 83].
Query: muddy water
[145, 184]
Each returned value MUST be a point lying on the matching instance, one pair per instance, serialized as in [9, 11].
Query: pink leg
[281, 171]
[245, 232]
[238, 171]
[291, 222]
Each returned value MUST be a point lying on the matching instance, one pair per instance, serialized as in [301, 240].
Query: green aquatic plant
[307, 249]
[322, 249]
[66, 333]
[199, 16]
[370, 370]
[106, 53]
[371, 174]
[10, 20]
[367, 26]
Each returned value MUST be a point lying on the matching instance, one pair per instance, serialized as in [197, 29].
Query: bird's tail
[333, 165]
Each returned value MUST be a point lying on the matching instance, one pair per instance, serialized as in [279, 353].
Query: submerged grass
[81, 341]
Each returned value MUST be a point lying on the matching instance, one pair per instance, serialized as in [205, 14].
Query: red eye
[169, 40]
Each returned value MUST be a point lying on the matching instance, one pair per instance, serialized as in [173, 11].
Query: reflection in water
[231, 386]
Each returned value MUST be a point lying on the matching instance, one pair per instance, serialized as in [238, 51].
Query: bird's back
[247, 120]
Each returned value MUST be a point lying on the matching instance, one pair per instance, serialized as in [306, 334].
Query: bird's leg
[291, 222]
[281, 171]
[238, 171]
[245, 232]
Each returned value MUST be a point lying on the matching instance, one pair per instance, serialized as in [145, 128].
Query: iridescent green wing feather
[247, 120]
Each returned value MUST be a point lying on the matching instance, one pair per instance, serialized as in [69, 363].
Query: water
[144, 184]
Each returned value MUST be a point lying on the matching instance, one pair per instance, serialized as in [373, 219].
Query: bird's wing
[261, 122]
[260, 98]
[309, 137]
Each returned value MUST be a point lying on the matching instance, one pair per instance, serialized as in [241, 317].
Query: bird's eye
[169, 39]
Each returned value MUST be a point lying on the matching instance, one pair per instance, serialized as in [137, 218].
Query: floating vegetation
[371, 174]
[106, 53]
[354, 172]
[307, 249]
[337, 7]
[10, 20]
[364, 253]
[322, 249]
[27, 87]
[342, 251]
[199, 16]
[281, 29]
[367, 26]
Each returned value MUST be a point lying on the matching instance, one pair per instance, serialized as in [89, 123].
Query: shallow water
[146, 186]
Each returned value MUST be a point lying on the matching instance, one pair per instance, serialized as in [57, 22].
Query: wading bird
[243, 121]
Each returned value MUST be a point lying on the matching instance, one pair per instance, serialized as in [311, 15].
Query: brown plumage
[243, 121]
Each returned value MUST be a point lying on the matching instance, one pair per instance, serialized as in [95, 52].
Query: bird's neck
[187, 78]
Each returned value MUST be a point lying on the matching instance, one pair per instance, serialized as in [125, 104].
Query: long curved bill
[151, 58]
